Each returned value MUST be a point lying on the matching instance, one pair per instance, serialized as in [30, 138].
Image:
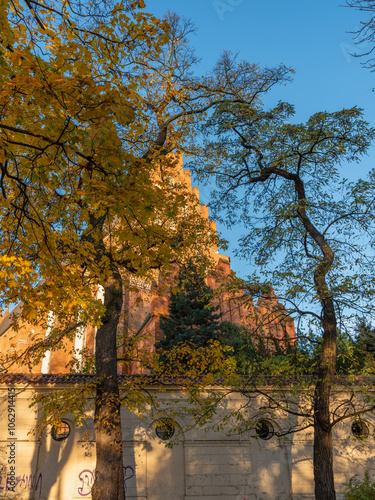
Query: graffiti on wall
[34, 482]
[87, 477]
[26, 482]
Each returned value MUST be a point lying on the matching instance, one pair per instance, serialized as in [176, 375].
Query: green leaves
[275, 173]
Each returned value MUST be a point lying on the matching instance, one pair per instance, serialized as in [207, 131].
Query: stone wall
[204, 465]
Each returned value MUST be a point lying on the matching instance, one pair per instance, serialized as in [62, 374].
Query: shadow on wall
[271, 471]
[165, 466]
[23, 455]
[53, 454]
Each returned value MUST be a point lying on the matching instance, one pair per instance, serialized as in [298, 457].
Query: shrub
[357, 489]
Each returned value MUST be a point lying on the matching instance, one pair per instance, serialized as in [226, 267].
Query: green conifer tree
[193, 316]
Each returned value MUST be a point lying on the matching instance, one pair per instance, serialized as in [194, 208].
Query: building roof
[249, 383]
[9, 318]
[79, 378]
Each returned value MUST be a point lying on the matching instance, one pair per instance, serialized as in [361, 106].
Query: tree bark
[323, 446]
[323, 457]
[109, 473]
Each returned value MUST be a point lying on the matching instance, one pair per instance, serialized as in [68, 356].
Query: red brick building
[144, 302]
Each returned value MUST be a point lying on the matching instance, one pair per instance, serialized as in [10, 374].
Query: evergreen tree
[193, 319]
[364, 346]
[193, 316]
[365, 336]
[244, 350]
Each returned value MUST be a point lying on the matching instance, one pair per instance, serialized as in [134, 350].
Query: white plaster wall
[205, 466]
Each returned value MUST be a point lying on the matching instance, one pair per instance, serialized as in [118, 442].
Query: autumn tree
[309, 230]
[94, 99]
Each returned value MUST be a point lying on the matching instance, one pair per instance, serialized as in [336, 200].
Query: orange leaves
[2, 155]
[5, 28]
[16, 276]
[15, 264]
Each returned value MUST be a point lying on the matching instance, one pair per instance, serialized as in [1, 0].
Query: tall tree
[94, 98]
[309, 230]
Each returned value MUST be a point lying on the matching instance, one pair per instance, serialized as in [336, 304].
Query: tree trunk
[323, 461]
[109, 473]
[323, 446]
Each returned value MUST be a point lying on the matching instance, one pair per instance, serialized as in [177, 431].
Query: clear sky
[313, 37]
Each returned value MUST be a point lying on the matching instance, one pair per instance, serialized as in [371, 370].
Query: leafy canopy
[272, 175]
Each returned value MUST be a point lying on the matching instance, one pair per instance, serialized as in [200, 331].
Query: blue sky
[313, 37]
